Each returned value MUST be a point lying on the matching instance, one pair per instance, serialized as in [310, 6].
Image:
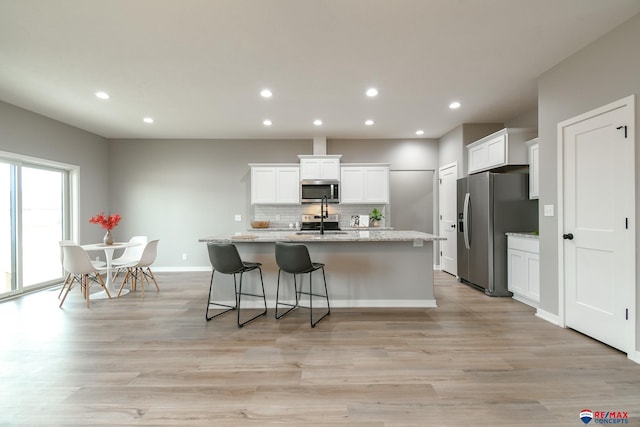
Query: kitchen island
[387, 268]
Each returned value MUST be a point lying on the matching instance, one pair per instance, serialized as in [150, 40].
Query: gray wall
[403, 154]
[413, 173]
[453, 142]
[605, 71]
[28, 134]
[181, 190]
[528, 119]
[451, 149]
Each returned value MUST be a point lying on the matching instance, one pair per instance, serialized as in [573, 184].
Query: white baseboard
[384, 303]
[347, 303]
[180, 269]
[549, 317]
[634, 356]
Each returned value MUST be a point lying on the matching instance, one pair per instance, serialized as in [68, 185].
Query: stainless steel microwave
[313, 191]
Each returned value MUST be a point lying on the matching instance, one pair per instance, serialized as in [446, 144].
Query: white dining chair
[96, 264]
[77, 263]
[130, 256]
[141, 270]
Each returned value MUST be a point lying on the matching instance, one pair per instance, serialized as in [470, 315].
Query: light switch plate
[548, 210]
[238, 218]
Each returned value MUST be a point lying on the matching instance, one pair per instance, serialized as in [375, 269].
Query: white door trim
[630, 120]
[437, 179]
[450, 165]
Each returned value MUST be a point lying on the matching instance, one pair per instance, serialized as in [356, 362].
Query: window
[34, 204]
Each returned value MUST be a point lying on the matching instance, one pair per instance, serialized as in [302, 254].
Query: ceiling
[197, 66]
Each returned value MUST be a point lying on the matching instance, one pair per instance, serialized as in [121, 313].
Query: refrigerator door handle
[467, 201]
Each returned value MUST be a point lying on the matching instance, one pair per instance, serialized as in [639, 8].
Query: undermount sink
[302, 233]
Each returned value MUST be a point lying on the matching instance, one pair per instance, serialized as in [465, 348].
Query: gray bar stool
[294, 259]
[225, 259]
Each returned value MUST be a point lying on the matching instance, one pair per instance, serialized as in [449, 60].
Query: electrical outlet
[548, 210]
[184, 257]
[278, 217]
[238, 218]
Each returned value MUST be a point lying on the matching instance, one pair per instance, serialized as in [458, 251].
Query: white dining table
[108, 252]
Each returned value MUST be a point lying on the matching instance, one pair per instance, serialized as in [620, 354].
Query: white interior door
[447, 202]
[598, 224]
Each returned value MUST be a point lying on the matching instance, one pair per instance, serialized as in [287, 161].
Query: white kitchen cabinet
[534, 168]
[320, 167]
[502, 148]
[275, 184]
[364, 183]
[523, 269]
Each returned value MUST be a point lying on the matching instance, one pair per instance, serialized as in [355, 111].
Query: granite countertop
[526, 234]
[329, 236]
[258, 230]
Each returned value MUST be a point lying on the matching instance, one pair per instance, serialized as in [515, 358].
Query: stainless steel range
[312, 222]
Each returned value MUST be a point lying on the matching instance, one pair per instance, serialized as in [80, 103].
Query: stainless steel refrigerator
[490, 205]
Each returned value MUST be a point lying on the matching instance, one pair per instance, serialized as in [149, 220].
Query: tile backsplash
[282, 215]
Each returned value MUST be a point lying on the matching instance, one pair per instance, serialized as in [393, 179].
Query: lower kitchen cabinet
[523, 266]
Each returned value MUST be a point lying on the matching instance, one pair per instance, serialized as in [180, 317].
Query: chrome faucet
[324, 210]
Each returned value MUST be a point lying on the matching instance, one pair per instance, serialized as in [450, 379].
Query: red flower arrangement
[108, 223]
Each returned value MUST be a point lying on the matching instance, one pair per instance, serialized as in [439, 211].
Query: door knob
[453, 226]
[568, 236]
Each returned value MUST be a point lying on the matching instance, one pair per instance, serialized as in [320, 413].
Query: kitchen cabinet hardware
[625, 130]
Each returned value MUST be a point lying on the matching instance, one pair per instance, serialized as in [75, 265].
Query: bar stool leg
[311, 295]
[240, 293]
[209, 303]
[295, 292]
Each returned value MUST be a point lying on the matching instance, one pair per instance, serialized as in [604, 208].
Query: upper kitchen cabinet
[319, 167]
[534, 168]
[505, 147]
[364, 183]
[275, 184]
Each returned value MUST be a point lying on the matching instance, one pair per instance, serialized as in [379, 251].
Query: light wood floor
[473, 361]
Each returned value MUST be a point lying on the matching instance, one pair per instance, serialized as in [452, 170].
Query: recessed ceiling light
[267, 122]
[420, 132]
[266, 93]
[102, 95]
[372, 92]
[368, 122]
[454, 105]
[147, 120]
[317, 122]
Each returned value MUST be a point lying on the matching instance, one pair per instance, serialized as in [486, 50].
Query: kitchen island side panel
[359, 274]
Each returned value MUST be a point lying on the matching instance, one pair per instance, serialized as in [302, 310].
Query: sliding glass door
[7, 229]
[33, 205]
